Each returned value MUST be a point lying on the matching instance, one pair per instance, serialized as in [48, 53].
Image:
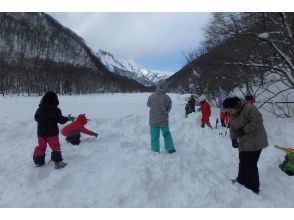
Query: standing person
[192, 102]
[48, 115]
[188, 109]
[160, 105]
[205, 110]
[224, 114]
[249, 136]
[73, 130]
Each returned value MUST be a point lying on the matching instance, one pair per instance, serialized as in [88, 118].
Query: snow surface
[119, 170]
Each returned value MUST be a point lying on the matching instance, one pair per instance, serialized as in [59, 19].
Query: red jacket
[205, 109]
[77, 125]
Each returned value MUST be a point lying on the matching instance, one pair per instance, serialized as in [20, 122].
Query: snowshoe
[59, 165]
[171, 151]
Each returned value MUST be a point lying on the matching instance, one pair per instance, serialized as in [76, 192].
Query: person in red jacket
[73, 130]
[206, 111]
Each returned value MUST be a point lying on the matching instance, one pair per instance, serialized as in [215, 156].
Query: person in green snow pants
[155, 134]
[160, 105]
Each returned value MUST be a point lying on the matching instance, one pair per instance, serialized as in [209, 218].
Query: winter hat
[50, 98]
[161, 86]
[202, 98]
[82, 119]
[231, 102]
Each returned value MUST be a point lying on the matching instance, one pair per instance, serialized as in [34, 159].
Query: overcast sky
[153, 40]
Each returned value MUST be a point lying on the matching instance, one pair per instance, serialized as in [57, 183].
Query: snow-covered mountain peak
[130, 69]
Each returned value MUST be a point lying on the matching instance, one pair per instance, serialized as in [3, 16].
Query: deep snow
[119, 170]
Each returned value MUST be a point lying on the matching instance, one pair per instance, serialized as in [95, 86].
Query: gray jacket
[160, 105]
[250, 119]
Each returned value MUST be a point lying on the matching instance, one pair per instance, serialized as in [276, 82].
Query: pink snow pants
[53, 143]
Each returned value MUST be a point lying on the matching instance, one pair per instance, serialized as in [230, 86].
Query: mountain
[211, 70]
[130, 69]
[38, 54]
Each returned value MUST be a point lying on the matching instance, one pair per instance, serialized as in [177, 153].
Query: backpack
[288, 164]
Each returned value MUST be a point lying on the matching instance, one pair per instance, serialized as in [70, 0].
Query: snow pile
[119, 170]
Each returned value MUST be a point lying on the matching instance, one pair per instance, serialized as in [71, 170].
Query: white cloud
[137, 35]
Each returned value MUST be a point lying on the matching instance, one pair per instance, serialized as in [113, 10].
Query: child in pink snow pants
[47, 116]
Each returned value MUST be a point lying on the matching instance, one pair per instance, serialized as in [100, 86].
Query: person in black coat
[48, 115]
[192, 102]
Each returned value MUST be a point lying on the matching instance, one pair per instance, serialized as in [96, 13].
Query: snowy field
[119, 170]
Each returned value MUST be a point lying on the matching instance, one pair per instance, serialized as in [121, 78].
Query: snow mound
[119, 170]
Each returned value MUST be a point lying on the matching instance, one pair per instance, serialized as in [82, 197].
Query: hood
[202, 98]
[82, 119]
[241, 106]
[161, 86]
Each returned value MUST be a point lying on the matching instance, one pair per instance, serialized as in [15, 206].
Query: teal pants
[155, 134]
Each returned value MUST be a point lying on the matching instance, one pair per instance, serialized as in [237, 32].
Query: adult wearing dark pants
[160, 105]
[249, 136]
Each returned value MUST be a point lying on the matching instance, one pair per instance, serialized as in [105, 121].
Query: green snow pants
[155, 134]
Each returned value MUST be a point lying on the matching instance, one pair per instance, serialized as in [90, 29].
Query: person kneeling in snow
[74, 129]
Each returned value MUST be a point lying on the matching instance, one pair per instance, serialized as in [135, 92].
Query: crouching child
[73, 131]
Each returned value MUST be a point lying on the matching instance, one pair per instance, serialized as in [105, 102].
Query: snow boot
[171, 151]
[256, 191]
[59, 165]
[56, 156]
[223, 123]
[202, 125]
[234, 181]
[39, 160]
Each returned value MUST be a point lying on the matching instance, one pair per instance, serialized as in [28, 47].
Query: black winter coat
[193, 103]
[47, 117]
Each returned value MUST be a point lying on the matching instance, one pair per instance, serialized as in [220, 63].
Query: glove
[235, 143]
[199, 110]
[70, 118]
[95, 134]
[241, 132]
